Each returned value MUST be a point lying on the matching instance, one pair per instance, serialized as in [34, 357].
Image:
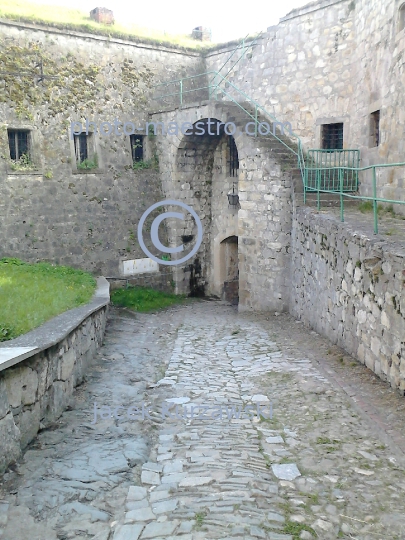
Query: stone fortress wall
[39, 371]
[87, 219]
[332, 61]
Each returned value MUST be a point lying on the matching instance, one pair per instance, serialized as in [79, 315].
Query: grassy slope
[73, 19]
[144, 299]
[31, 294]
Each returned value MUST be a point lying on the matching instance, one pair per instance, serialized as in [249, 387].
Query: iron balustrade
[340, 171]
[322, 169]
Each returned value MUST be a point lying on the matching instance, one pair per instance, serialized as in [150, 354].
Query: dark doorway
[230, 266]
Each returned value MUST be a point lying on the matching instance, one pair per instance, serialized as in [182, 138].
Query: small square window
[81, 147]
[19, 144]
[85, 154]
[332, 136]
[374, 129]
[136, 142]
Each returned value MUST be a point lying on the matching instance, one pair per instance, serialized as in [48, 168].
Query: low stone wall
[161, 281]
[39, 370]
[349, 287]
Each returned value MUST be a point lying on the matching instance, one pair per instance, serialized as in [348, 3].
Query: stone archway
[194, 169]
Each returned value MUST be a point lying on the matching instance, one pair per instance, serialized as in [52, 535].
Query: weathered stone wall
[37, 390]
[379, 79]
[81, 218]
[301, 70]
[350, 288]
[334, 61]
[161, 281]
[196, 173]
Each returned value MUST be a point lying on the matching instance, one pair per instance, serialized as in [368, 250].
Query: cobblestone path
[192, 459]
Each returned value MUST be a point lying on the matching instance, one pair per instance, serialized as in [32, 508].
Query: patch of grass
[67, 18]
[23, 164]
[323, 440]
[152, 163]
[366, 206]
[382, 209]
[295, 529]
[31, 294]
[284, 460]
[89, 163]
[199, 519]
[273, 422]
[144, 299]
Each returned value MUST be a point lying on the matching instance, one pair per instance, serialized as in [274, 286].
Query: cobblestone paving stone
[75, 476]
[313, 469]
[324, 460]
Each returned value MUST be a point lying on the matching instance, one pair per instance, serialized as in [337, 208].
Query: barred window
[81, 147]
[233, 158]
[136, 147]
[332, 136]
[19, 143]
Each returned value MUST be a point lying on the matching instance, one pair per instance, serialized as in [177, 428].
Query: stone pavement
[193, 460]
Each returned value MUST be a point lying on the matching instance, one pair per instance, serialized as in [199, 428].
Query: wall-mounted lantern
[233, 198]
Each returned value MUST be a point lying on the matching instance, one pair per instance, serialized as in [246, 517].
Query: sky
[227, 20]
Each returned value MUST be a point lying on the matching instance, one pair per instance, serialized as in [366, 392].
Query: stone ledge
[137, 42]
[58, 328]
[39, 371]
[310, 8]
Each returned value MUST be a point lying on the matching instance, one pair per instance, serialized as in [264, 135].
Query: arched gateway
[245, 242]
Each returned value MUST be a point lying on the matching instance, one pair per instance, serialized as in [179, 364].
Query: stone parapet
[39, 370]
[349, 287]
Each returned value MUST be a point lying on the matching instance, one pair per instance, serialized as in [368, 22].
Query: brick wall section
[350, 288]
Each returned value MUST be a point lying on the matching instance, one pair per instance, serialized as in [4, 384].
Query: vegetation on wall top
[72, 19]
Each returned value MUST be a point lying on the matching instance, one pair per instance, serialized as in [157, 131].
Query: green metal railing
[216, 91]
[243, 46]
[341, 171]
[322, 169]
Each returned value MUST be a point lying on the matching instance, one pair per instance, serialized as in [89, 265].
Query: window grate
[136, 147]
[81, 148]
[233, 157]
[19, 144]
[332, 136]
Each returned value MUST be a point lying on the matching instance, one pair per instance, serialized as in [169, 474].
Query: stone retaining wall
[161, 281]
[36, 387]
[350, 288]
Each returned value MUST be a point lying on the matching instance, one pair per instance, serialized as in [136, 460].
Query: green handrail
[374, 199]
[243, 42]
[298, 152]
